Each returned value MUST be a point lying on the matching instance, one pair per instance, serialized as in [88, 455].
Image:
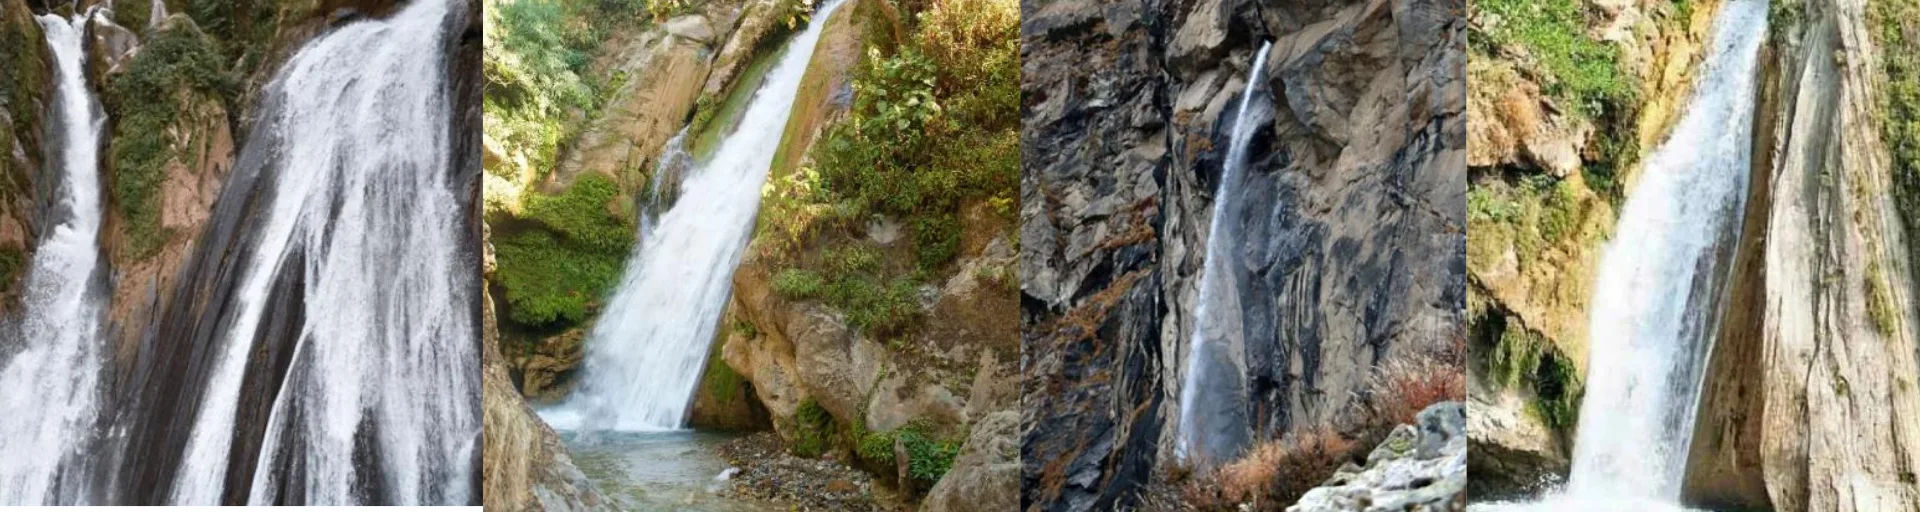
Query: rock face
[1355, 236]
[1418, 468]
[988, 466]
[527, 468]
[26, 71]
[1810, 401]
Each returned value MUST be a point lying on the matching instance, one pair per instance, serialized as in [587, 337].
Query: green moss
[1879, 300]
[12, 261]
[1579, 69]
[812, 429]
[720, 381]
[558, 260]
[1523, 359]
[1896, 29]
[176, 67]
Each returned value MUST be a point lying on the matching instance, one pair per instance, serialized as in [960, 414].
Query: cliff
[1354, 194]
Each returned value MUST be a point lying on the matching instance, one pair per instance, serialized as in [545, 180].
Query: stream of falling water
[1220, 432]
[379, 402]
[1656, 299]
[647, 350]
[52, 381]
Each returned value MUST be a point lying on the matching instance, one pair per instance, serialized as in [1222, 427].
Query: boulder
[1420, 467]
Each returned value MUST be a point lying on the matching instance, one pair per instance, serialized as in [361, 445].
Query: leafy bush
[851, 279]
[929, 457]
[174, 67]
[536, 66]
[563, 255]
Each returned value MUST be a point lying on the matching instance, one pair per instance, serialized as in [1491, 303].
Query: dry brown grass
[1400, 389]
[1272, 475]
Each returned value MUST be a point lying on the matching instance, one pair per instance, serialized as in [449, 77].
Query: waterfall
[52, 376]
[1657, 297]
[359, 224]
[1656, 300]
[1220, 431]
[646, 352]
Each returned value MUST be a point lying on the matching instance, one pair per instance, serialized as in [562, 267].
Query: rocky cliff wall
[1812, 404]
[1355, 218]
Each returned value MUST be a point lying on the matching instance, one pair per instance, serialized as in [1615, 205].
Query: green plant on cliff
[1896, 29]
[812, 429]
[540, 88]
[1523, 359]
[560, 255]
[852, 279]
[1577, 68]
[174, 68]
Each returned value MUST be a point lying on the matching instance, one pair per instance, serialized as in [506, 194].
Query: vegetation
[1896, 29]
[929, 455]
[720, 381]
[934, 126]
[536, 66]
[1272, 475]
[1575, 68]
[851, 279]
[561, 254]
[176, 67]
[812, 429]
[1522, 358]
[1530, 214]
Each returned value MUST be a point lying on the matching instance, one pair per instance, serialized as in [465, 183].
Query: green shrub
[877, 447]
[928, 457]
[175, 67]
[563, 255]
[813, 429]
[798, 283]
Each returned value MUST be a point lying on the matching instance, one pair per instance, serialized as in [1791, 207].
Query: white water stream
[1208, 433]
[646, 352]
[53, 381]
[1656, 298]
[362, 200]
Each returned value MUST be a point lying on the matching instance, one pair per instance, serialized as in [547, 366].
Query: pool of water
[658, 471]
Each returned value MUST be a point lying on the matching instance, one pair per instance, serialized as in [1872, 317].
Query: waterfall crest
[649, 346]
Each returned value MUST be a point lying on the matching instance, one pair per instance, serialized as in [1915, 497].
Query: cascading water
[1656, 299]
[647, 350]
[52, 376]
[1220, 431]
[379, 402]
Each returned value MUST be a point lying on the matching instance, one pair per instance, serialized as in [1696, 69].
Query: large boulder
[1418, 468]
